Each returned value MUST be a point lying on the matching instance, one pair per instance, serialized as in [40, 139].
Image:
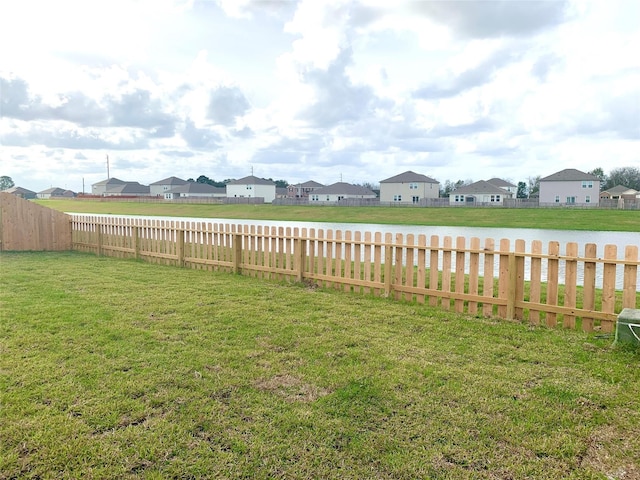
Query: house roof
[620, 189]
[195, 187]
[52, 191]
[480, 187]
[110, 181]
[569, 175]
[129, 188]
[19, 190]
[498, 182]
[251, 180]
[343, 188]
[409, 176]
[170, 181]
[308, 184]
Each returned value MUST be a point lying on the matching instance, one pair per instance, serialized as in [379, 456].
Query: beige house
[252, 187]
[408, 187]
[100, 188]
[481, 192]
[55, 192]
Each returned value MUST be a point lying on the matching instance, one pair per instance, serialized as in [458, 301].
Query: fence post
[99, 238]
[180, 246]
[511, 287]
[135, 233]
[388, 264]
[301, 257]
[630, 277]
[237, 253]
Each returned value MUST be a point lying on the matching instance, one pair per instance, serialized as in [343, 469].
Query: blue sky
[331, 90]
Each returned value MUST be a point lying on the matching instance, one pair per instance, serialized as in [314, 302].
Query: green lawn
[546, 218]
[122, 369]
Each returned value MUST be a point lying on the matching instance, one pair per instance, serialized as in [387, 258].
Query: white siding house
[339, 191]
[194, 189]
[159, 188]
[408, 187]
[478, 192]
[100, 188]
[570, 187]
[252, 187]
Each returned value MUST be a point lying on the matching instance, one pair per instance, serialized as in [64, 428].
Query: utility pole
[108, 177]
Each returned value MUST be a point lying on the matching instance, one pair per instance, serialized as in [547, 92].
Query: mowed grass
[121, 369]
[545, 218]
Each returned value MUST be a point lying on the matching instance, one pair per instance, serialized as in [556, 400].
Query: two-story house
[252, 187]
[408, 187]
[570, 187]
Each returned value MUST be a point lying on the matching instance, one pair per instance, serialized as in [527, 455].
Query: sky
[353, 91]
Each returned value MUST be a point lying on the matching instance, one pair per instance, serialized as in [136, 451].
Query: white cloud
[311, 90]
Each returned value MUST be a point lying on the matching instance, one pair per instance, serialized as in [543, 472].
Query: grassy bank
[547, 218]
[122, 369]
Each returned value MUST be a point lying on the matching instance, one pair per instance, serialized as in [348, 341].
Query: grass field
[546, 218]
[122, 369]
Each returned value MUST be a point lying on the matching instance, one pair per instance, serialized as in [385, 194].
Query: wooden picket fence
[465, 278]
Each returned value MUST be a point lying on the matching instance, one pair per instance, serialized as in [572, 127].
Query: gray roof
[569, 175]
[343, 188]
[409, 176]
[170, 181]
[110, 181]
[308, 184]
[195, 187]
[498, 182]
[133, 188]
[251, 180]
[481, 186]
[19, 190]
[52, 191]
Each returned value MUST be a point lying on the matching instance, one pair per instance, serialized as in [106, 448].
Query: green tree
[522, 190]
[626, 176]
[598, 172]
[534, 186]
[6, 182]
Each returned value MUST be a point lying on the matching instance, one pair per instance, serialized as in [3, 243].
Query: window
[588, 199]
[458, 198]
[571, 199]
[495, 198]
[413, 186]
[557, 198]
[397, 198]
[314, 198]
[249, 187]
[587, 184]
[415, 199]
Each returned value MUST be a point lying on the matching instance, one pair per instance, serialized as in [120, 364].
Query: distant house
[54, 192]
[21, 192]
[619, 192]
[508, 186]
[302, 190]
[159, 188]
[339, 191]
[570, 187]
[408, 187]
[479, 192]
[194, 189]
[252, 187]
[128, 189]
[101, 187]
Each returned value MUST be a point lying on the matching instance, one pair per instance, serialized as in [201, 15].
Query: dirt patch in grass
[599, 457]
[291, 388]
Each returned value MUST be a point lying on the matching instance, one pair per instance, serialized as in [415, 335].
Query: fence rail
[465, 276]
